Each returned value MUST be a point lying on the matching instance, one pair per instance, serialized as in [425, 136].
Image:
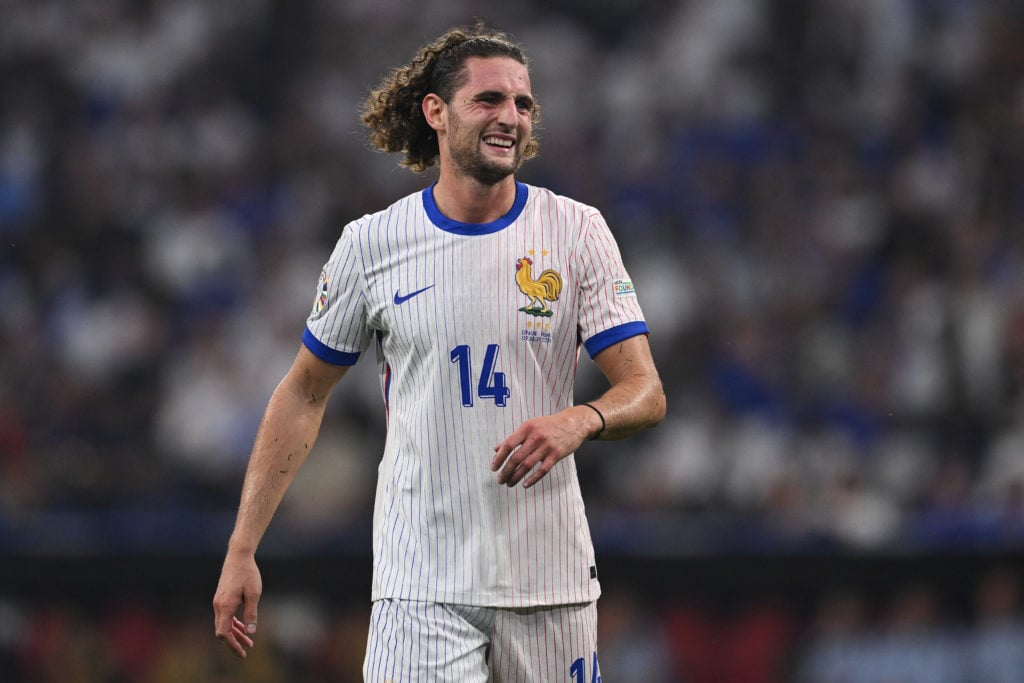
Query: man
[476, 293]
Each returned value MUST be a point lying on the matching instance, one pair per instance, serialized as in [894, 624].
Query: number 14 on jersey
[491, 383]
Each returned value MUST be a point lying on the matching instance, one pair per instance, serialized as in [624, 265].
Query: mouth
[499, 141]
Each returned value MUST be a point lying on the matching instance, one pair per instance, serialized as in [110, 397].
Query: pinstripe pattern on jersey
[444, 530]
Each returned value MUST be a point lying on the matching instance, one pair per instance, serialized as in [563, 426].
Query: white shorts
[422, 642]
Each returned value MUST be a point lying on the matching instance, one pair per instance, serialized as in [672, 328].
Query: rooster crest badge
[544, 288]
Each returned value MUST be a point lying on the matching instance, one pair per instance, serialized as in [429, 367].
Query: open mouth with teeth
[504, 143]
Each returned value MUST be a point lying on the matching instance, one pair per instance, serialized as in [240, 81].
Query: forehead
[497, 74]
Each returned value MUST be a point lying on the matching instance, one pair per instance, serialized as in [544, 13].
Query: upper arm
[311, 378]
[630, 358]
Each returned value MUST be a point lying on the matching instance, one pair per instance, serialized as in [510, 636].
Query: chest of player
[448, 290]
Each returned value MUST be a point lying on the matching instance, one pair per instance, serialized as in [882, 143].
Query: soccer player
[477, 293]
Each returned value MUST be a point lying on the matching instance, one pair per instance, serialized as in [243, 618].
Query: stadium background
[821, 205]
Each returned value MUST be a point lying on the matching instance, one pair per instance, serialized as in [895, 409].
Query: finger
[249, 613]
[229, 629]
[512, 465]
[523, 467]
[236, 640]
[222, 617]
[539, 472]
[501, 452]
[240, 632]
[520, 472]
[230, 640]
[504, 449]
[507, 459]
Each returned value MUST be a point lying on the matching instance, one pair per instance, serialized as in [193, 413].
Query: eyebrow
[497, 94]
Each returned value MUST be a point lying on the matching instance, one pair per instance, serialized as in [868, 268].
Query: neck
[469, 201]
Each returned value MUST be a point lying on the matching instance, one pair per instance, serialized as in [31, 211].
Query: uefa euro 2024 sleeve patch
[623, 288]
[320, 301]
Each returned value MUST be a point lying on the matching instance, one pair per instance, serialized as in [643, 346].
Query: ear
[433, 111]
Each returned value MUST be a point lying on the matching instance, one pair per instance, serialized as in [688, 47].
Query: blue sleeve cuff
[602, 340]
[325, 352]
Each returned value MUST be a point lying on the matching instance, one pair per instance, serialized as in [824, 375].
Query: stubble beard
[473, 164]
[470, 161]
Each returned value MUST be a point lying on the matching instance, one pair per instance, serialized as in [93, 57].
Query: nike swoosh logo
[401, 299]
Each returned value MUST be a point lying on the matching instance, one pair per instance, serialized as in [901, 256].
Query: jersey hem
[489, 601]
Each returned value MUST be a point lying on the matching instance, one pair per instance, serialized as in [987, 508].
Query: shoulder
[404, 208]
[551, 208]
[545, 198]
[579, 220]
[372, 225]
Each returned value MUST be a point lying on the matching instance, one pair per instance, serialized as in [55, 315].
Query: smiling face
[485, 128]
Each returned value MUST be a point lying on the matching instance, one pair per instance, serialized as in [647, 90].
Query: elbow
[660, 406]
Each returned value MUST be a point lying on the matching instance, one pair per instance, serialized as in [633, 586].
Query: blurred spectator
[833, 646]
[994, 652]
[913, 640]
[750, 645]
[633, 645]
[912, 643]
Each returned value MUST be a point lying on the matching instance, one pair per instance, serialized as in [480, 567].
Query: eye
[525, 104]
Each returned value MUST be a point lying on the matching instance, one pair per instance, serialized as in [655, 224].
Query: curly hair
[393, 111]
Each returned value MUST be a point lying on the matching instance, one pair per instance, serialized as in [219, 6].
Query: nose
[508, 112]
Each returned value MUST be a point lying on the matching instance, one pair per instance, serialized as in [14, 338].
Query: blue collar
[458, 228]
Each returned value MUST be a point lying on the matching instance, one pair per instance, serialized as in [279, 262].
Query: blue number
[491, 385]
[460, 355]
[578, 671]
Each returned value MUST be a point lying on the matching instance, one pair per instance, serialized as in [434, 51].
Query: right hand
[239, 588]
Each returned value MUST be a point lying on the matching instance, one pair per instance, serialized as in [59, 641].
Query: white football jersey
[477, 329]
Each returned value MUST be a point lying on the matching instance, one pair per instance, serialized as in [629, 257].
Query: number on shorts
[578, 674]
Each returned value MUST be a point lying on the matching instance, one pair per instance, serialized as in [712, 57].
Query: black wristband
[603, 423]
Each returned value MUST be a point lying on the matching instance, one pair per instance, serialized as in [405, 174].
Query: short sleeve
[609, 309]
[336, 330]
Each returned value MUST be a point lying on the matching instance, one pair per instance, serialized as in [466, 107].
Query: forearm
[635, 400]
[626, 408]
[289, 428]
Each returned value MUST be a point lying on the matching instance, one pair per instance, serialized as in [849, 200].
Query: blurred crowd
[820, 203]
[911, 633]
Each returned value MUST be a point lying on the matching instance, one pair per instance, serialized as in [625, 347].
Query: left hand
[537, 446]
